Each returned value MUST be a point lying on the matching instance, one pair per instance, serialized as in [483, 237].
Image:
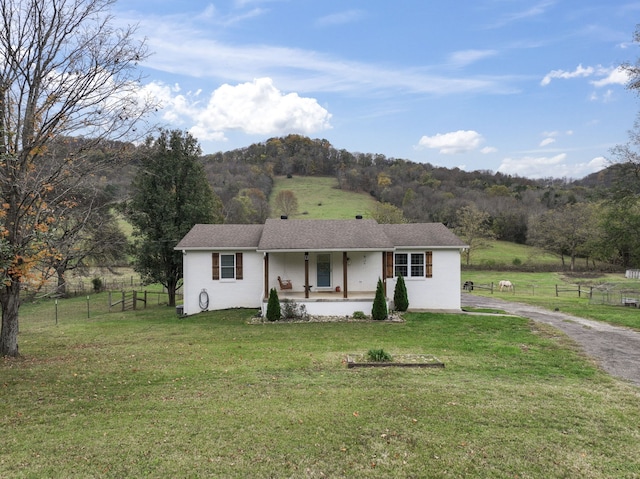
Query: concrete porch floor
[326, 295]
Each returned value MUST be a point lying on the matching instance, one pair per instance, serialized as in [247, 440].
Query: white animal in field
[504, 284]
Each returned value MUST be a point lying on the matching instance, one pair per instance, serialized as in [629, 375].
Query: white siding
[223, 294]
[441, 291]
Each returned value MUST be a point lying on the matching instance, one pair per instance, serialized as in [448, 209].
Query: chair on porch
[285, 283]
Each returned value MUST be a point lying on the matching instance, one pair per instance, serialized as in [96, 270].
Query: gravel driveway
[615, 348]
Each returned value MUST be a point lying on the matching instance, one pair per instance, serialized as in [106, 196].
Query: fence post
[491, 287]
[135, 299]
[556, 290]
[122, 300]
[145, 299]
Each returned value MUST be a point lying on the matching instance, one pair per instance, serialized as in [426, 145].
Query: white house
[330, 266]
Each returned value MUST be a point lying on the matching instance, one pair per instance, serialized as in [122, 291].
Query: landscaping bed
[398, 360]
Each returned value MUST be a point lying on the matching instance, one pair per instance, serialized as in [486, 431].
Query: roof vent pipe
[283, 217]
[358, 217]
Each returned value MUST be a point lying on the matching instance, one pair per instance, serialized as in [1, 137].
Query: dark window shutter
[428, 264]
[389, 264]
[215, 266]
[238, 265]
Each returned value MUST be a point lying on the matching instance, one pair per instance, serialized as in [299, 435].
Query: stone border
[420, 361]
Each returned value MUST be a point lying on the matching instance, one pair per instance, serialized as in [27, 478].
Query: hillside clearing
[320, 198]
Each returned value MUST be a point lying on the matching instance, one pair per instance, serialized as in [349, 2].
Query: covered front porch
[327, 283]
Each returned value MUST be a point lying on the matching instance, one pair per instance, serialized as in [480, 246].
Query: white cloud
[258, 107]
[580, 71]
[615, 76]
[546, 167]
[488, 149]
[460, 141]
[547, 141]
[608, 76]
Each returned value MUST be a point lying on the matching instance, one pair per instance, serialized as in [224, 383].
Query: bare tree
[474, 228]
[286, 202]
[67, 71]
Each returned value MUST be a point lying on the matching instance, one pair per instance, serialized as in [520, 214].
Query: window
[414, 265]
[226, 266]
[417, 264]
[401, 265]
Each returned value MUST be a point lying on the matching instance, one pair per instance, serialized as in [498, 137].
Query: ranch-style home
[331, 267]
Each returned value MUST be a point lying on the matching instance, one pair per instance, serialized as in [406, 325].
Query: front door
[323, 270]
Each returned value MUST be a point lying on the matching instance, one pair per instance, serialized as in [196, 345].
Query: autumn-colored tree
[286, 202]
[66, 71]
[386, 213]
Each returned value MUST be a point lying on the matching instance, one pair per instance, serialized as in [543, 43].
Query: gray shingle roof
[316, 235]
[428, 235]
[222, 237]
[323, 234]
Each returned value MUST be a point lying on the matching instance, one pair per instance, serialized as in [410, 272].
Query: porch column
[384, 272]
[345, 260]
[266, 275]
[306, 275]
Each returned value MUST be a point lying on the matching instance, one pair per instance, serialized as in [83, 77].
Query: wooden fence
[127, 300]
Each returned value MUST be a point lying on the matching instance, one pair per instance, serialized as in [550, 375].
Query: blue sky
[527, 88]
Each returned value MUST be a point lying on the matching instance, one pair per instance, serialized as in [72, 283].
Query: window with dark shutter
[389, 272]
[215, 266]
[238, 265]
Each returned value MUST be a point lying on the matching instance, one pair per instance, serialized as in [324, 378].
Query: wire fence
[120, 304]
[611, 293]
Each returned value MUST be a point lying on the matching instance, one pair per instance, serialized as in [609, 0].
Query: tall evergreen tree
[379, 311]
[274, 312]
[170, 195]
[400, 297]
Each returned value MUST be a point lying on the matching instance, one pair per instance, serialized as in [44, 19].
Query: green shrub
[97, 285]
[517, 261]
[292, 310]
[273, 306]
[359, 315]
[378, 355]
[379, 311]
[400, 298]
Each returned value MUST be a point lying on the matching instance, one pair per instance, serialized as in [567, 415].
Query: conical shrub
[273, 306]
[400, 298]
[379, 311]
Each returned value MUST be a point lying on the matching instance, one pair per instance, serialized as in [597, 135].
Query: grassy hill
[503, 253]
[319, 198]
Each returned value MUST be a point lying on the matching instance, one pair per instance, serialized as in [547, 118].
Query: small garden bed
[398, 360]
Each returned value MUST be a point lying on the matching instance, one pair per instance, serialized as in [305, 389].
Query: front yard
[145, 394]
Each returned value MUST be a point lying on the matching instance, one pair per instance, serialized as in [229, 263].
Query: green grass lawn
[318, 198]
[145, 394]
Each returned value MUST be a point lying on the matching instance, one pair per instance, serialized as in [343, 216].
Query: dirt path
[615, 348]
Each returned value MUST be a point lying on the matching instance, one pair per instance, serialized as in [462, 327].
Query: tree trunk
[171, 291]
[61, 289]
[10, 301]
